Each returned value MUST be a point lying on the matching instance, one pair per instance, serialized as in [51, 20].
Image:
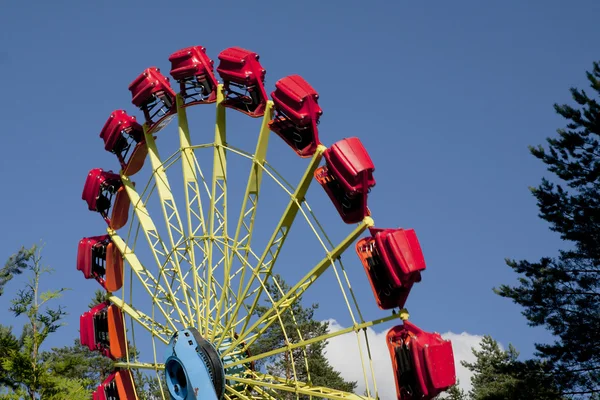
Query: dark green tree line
[25, 371]
[562, 293]
[299, 324]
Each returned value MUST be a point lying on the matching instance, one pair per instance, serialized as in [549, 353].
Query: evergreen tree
[92, 367]
[298, 323]
[454, 393]
[8, 346]
[78, 362]
[498, 375]
[25, 372]
[563, 293]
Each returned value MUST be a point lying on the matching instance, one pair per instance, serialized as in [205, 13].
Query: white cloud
[462, 345]
[344, 355]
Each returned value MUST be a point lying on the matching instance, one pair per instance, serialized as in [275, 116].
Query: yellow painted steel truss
[197, 273]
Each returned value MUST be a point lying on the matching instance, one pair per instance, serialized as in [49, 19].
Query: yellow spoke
[245, 223]
[292, 295]
[144, 276]
[194, 210]
[154, 241]
[218, 200]
[307, 342]
[161, 332]
[139, 365]
[171, 216]
[277, 239]
[277, 383]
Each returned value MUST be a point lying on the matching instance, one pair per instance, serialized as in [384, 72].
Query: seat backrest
[439, 362]
[114, 268]
[351, 164]
[125, 385]
[116, 332]
[404, 245]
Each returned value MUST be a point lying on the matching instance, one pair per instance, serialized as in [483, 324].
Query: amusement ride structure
[187, 290]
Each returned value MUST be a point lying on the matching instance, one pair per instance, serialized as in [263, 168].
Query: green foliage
[148, 386]
[563, 293]
[8, 345]
[454, 393]
[25, 371]
[15, 265]
[99, 297]
[78, 362]
[498, 375]
[298, 324]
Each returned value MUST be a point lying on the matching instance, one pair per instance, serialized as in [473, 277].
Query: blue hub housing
[193, 368]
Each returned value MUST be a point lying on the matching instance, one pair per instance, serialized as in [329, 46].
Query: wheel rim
[191, 268]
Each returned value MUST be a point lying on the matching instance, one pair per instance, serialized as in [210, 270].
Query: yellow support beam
[172, 219]
[276, 241]
[247, 215]
[299, 388]
[267, 319]
[157, 330]
[150, 283]
[193, 200]
[217, 218]
[139, 365]
[155, 242]
[308, 342]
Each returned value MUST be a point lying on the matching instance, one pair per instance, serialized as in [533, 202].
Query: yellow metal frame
[191, 283]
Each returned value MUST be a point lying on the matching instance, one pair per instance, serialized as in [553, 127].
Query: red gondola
[297, 114]
[393, 261]
[98, 258]
[423, 362]
[151, 92]
[347, 178]
[124, 137]
[101, 329]
[104, 193]
[243, 81]
[193, 69]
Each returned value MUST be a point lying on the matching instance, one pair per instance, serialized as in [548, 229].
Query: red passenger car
[98, 258]
[423, 362]
[151, 92]
[101, 329]
[243, 81]
[297, 114]
[117, 386]
[124, 137]
[347, 178]
[104, 193]
[193, 69]
[393, 261]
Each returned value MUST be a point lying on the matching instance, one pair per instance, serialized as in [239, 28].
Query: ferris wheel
[196, 285]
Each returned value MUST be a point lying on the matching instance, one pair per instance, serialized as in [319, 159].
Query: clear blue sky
[446, 96]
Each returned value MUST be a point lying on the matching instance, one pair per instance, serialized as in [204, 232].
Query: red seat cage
[401, 253]
[124, 137]
[347, 178]
[118, 385]
[98, 258]
[350, 163]
[193, 69]
[151, 92]
[99, 190]
[102, 329]
[88, 327]
[423, 362]
[91, 257]
[297, 114]
[387, 295]
[243, 81]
